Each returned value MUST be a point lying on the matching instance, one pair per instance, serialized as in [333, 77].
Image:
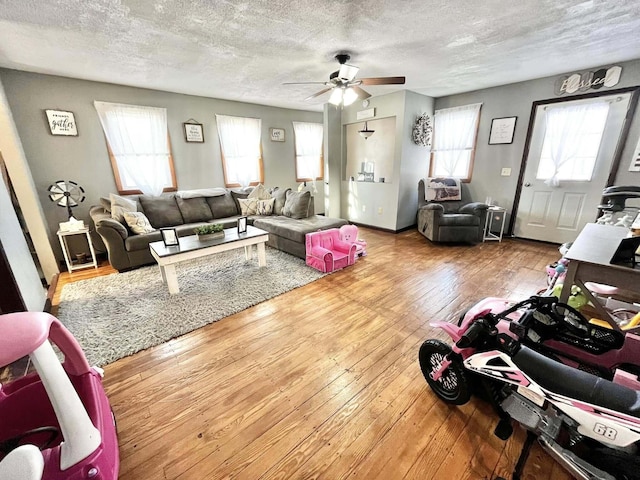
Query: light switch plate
[506, 172]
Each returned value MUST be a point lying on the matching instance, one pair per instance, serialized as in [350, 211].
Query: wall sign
[502, 130]
[591, 80]
[362, 114]
[61, 123]
[193, 132]
[276, 134]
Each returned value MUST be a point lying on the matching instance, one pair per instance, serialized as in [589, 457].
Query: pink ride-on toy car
[55, 423]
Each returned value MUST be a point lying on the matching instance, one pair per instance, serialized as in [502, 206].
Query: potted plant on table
[209, 232]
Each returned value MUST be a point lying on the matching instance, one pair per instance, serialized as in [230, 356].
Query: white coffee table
[190, 247]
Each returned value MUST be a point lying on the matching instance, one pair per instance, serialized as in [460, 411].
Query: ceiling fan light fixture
[365, 132]
[350, 96]
[336, 97]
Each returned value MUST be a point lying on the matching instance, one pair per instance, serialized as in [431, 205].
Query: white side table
[71, 265]
[494, 215]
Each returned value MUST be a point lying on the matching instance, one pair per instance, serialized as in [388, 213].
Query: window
[454, 141]
[308, 146]
[241, 153]
[571, 142]
[138, 144]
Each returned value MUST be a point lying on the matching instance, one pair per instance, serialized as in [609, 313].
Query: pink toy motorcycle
[591, 426]
[562, 333]
[55, 423]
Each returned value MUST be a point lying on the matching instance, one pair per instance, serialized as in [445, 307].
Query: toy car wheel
[453, 386]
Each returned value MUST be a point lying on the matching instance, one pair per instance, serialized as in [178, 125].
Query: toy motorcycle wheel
[453, 386]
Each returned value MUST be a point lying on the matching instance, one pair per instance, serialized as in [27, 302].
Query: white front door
[558, 213]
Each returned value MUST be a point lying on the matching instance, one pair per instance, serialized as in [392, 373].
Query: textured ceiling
[245, 50]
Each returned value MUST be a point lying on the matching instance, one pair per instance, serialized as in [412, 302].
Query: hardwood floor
[323, 381]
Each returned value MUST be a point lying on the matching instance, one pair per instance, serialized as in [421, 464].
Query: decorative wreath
[422, 131]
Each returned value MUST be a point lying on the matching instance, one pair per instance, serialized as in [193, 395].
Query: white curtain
[138, 140]
[565, 127]
[240, 143]
[454, 137]
[308, 139]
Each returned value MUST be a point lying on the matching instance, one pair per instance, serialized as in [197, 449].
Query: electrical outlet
[364, 208]
[506, 172]
[379, 210]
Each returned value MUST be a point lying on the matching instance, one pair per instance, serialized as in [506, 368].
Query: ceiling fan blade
[383, 81]
[347, 72]
[325, 90]
[361, 93]
[304, 83]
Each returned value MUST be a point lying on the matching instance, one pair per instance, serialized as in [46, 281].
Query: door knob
[527, 184]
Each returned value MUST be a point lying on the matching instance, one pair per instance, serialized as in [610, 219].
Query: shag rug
[117, 315]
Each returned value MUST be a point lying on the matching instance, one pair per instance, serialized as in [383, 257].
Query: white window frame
[240, 150]
[454, 142]
[571, 143]
[139, 147]
[308, 151]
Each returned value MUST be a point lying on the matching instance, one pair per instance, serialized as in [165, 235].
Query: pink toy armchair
[327, 253]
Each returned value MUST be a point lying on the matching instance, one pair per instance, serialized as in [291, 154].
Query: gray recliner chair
[452, 220]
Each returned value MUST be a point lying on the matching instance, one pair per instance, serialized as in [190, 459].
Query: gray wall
[84, 158]
[516, 100]
[391, 205]
[415, 159]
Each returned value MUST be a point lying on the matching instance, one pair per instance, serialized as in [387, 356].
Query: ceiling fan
[345, 88]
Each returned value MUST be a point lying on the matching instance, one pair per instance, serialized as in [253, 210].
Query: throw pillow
[238, 194]
[138, 222]
[265, 207]
[280, 196]
[120, 205]
[260, 193]
[106, 204]
[297, 204]
[248, 206]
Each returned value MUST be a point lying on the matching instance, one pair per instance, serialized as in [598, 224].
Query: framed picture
[193, 132]
[169, 237]
[61, 123]
[502, 130]
[242, 225]
[276, 134]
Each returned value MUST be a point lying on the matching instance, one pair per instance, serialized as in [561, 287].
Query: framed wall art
[502, 130]
[193, 132]
[61, 123]
[276, 134]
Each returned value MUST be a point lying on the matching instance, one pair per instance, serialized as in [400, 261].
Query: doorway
[573, 147]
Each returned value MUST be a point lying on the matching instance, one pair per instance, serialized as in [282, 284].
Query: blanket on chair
[440, 189]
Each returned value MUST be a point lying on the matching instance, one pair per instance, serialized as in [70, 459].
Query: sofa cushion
[119, 205]
[223, 206]
[265, 207]
[280, 196]
[141, 242]
[235, 194]
[161, 211]
[106, 204]
[296, 229]
[297, 204]
[459, 220]
[248, 206]
[138, 222]
[195, 209]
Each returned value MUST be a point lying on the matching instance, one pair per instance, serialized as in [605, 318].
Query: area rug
[117, 315]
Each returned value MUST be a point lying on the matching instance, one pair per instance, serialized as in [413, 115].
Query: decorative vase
[210, 236]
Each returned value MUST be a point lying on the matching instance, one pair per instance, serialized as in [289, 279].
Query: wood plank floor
[323, 382]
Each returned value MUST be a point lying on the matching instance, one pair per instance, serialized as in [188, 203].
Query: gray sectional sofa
[188, 209]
